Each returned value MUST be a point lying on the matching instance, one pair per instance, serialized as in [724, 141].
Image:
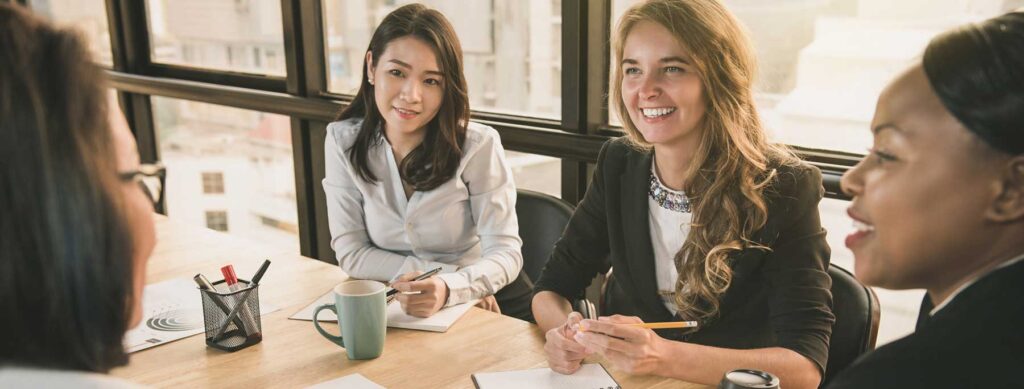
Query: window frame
[576, 138]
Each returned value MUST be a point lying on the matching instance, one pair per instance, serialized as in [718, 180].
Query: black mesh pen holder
[232, 318]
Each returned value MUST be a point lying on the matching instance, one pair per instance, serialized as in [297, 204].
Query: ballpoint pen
[420, 277]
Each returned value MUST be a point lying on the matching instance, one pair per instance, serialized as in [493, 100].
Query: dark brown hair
[65, 253]
[976, 70]
[434, 161]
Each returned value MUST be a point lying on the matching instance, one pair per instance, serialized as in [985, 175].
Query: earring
[370, 80]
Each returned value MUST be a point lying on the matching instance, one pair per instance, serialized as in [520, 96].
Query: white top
[467, 225]
[971, 282]
[669, 230]
[21, 377]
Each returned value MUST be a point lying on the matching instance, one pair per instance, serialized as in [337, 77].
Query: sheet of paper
[351, 381]
[171, 310]
[439, 322]
[590, 376]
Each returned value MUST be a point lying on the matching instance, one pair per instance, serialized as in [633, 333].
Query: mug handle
[336, 339]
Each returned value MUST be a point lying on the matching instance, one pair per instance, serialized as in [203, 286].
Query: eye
[395, 72]
[432, 82]
[631, 70]
[881, 157]
[674, 69]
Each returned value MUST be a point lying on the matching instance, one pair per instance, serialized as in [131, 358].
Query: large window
[228, 160]
[512, 49]
[822, 64]
[242, 36]
[89, 17]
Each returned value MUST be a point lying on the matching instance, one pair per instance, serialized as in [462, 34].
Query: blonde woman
[699, 216]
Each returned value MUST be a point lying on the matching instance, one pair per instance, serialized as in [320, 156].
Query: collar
[971, 282]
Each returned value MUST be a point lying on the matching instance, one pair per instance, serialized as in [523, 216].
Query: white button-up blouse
[467, 225]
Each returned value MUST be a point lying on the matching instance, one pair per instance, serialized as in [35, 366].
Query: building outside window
[213, 183]
[217, 220]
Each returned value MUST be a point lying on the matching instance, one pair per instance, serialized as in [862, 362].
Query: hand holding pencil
[628, 343]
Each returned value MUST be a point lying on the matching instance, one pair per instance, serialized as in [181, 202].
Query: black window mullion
[314, 58]
[295, 30]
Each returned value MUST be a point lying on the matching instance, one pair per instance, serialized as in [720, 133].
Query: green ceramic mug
[360, 308]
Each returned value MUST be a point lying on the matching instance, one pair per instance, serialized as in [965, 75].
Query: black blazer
[973, 342]
[777, 298]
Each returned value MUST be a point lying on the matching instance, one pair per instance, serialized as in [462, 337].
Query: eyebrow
[671, 59]
[886, 126]
[405, 65]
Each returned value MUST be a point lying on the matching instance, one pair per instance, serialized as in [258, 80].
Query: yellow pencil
[667, 324]
[657, 326]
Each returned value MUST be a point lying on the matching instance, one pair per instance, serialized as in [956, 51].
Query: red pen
[230, 279]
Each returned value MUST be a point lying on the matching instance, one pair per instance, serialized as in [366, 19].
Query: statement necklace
[668, 198]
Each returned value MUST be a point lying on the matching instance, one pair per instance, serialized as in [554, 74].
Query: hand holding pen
[431, 297]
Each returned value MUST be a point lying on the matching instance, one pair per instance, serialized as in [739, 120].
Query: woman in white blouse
[412, 185]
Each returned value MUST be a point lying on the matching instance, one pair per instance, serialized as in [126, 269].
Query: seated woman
[76, 229]
[939, 205]
[413, 185]
[699, 216]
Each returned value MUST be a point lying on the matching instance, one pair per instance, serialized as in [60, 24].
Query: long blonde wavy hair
[734, 164]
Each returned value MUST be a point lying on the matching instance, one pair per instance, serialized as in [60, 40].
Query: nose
[852, 182]
[650, 87]
[410, 92]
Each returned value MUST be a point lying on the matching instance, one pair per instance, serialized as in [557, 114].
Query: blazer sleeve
[801, 300]
[582, 251]
[492, 200]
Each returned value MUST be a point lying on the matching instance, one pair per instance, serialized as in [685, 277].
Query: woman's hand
[433, 294]
[489, 303]
[629, 349]
[564, 354]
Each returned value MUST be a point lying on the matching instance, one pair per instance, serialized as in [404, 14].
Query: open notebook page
[589, 376]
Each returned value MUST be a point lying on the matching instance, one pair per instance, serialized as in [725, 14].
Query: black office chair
[857, 316]
[542, 218]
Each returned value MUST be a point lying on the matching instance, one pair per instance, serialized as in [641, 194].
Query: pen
[656, 326]
[259, 273]
[205, 284]
[232, 281]
[420, 277]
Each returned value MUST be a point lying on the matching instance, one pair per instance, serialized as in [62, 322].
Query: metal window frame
[303, 95]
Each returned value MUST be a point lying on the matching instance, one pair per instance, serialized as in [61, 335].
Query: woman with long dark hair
[939, 205]
[697, 214]
[413, 185]
[76, 228]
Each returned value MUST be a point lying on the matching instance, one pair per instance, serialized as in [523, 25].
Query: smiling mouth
[656, 112]
[406, 112]
[863, 227]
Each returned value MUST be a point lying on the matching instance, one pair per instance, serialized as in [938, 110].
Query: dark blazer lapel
[635, 181]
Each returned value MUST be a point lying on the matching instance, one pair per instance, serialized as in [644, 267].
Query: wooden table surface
[293, 354]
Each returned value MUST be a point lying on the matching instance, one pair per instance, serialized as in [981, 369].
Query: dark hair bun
[977, 70]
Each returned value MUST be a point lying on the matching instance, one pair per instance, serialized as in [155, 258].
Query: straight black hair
[977, 71]
[434, 161]
[65, 248]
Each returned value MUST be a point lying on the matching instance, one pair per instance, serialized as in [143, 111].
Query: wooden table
[293, 354]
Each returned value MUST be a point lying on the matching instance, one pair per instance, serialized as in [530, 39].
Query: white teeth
[656, 112]
[863, 227]
[404, 111]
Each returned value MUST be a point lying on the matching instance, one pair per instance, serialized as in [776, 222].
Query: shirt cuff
[458, 288]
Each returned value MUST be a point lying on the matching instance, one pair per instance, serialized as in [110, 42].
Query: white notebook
[351, 381]
[439, 322]
[590, 376]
